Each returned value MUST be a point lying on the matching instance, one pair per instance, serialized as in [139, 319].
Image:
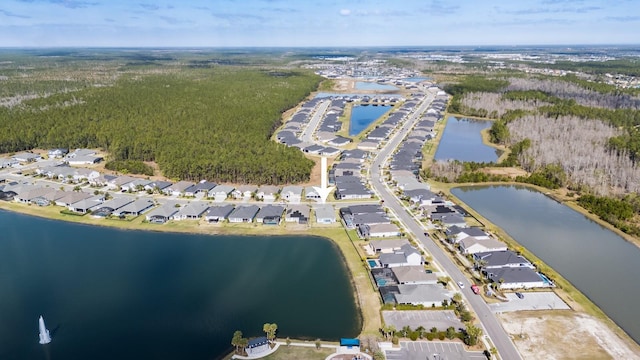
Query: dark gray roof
[270, 211]
[513, 275]
[244, 212]
[117, 203]
[471, 231]
[501, 258]
[366, 209]
[369, 219]
[220, 211]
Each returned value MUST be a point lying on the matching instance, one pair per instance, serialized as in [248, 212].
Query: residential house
[136, 185]
[83, 174]
[406, 256]
[162, 213]
[244, 214]
[57, 153]
[221, 192]
[83, 157]
[413, 275]
[325, 214]
[270, 214]
[178, 188]
[457, 233]
[109, 207]
[378, 230]
[71, 198]
[500, 259]
[387, 246]
[191, 211]
[297, 214]
[218, 213]
[25, 157]
[516, 278]
[425, 295]
[86, 205]
[203, 187]
[292, 194]
[120, 182]
[5, 163]
[310, 193]
[135, 208]
[472, 245]
[267, 193]
[102, 180]
[158, 185]
[244, 192]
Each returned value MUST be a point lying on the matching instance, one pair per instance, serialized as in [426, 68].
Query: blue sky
[191, 23]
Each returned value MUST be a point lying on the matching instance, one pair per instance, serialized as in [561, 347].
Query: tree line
[196, 124]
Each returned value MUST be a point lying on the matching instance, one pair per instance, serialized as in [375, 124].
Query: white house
[292, 194]
[267, 193]
[472, 245]
[516, 278]
[221, 192]
[406, 256]
[387, 246]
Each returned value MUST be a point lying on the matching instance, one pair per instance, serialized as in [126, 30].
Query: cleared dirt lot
[557, 334]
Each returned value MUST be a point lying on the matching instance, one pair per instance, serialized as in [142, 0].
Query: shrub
[414, 335]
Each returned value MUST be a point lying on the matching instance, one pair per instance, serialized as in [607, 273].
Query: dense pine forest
[209, 122]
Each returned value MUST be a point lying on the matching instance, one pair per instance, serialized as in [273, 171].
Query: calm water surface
[363, 115]
[111, 294]
[462, 141]
[600, 263]
[363, 85]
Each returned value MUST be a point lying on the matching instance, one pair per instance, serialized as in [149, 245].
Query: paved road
[490, 323]
[307, 134]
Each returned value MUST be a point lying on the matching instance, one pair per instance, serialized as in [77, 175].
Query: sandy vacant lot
[561, 334]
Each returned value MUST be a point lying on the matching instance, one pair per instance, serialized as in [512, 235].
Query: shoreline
[565, 289]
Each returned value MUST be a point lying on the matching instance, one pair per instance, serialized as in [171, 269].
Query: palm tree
[272, 331]
[420, 329]
[237, 339]
[457, 298]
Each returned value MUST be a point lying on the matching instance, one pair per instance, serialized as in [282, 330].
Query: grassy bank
[565, 289]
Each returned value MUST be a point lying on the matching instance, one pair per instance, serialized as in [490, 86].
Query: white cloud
[345, 12]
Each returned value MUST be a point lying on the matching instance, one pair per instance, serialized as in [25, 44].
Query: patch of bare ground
[314, 179]
[561, 334]
[511, 172]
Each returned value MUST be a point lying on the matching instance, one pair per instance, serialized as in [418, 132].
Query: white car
[460, 284]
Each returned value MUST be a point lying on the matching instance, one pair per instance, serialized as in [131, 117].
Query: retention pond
[597, 261]
[111, 294]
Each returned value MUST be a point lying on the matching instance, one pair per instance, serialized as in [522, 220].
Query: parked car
[520, 295]
[475, 288]
[460, 284]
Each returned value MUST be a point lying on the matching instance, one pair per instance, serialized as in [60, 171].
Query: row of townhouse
[369, 220]
[218, 192]
[495, 261]
[83, 202]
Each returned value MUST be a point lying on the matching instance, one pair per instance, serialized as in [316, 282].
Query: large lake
[462, 141]
[597, 261]
[111, 294]
[363, 115]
